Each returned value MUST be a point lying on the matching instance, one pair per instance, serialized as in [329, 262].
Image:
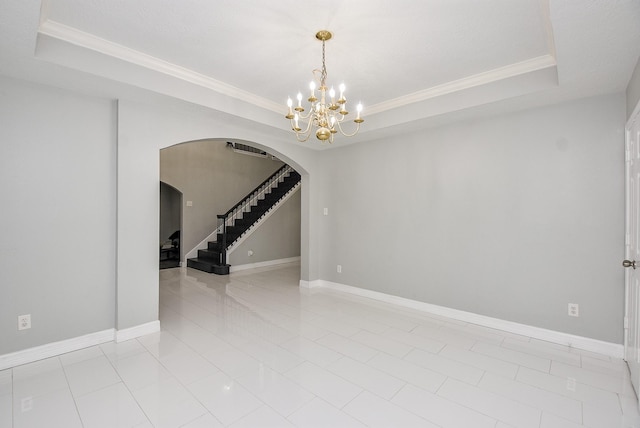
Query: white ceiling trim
[80, 38]
[89, 41]
[525, 67]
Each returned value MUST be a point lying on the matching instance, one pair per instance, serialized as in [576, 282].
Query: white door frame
[631, 315]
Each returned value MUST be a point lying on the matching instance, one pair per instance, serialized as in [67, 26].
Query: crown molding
[528, 71]
[89, 41]
[480, 79]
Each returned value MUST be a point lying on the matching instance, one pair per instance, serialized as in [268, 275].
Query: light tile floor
[254, 350]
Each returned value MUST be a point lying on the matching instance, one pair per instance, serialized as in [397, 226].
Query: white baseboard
[579, 342]
[311, 284]
[137, 331]
[74, 344]
[237, 268]
[56, 348]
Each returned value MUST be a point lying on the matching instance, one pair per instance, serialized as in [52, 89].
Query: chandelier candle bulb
[299, 108]
[289, 105]
[332, 94]
[312, 87]
[342, 99]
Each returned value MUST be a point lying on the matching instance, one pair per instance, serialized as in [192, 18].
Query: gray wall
[67, 189]
[633, 90]
[58, 192]
[277, 238]
[511, 217]
[214, 178]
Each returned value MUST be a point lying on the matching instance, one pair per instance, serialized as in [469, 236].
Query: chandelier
[326, 114]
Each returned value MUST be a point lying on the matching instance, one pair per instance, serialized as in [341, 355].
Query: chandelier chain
[323, 75]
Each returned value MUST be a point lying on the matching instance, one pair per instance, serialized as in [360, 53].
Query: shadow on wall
[170, 225]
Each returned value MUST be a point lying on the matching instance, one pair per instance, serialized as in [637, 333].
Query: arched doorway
[142, 131]
[215, 176]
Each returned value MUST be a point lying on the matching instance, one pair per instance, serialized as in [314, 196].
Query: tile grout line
[318, 309]
[221, 370]
[172, 376]
[75, 403]
[13, 422]
[127, 386]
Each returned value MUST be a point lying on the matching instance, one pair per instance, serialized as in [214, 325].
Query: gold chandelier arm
[305, 134]
[302, 140]
[338, 122]
[302, 116]
[305, 137]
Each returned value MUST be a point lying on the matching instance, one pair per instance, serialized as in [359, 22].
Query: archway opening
[214, 175]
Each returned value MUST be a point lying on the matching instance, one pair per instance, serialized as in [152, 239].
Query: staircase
[238, 222]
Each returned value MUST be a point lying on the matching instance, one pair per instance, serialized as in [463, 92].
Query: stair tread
[204, 261]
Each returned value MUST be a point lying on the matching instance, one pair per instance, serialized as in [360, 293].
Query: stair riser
[213, 256]
[214, 246]
[208, 267]
[230, 239]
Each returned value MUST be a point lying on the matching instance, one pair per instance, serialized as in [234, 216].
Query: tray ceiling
[406, 60]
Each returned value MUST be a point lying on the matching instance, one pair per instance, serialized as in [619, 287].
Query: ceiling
[411, 63]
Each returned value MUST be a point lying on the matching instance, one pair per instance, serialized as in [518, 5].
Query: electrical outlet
[26, 404]
[24, 322]
[574, 310]
[339, 268]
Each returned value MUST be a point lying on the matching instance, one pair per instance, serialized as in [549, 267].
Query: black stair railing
[245, 205]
